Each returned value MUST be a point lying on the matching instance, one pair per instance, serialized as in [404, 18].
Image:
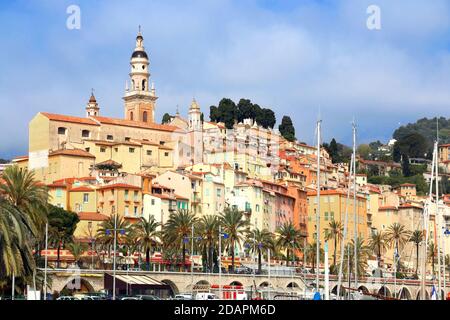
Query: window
[136, 196]
[116, 149]
[131, 150]
[85, 197]
[59, 192]
[109, 137]
[102, 149]
[144, 115]
[62, 130]
[257, 208]
[332, 215]
[143, 84]
[219, 192]
[166, 154]
[127, 138]
[135, 211]
[131, 115]
[153, 202]
[127, 210]
[326, 216]
[87, 149]
[149, 152]
[85, 133]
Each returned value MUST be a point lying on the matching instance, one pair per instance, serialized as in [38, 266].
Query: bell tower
[139, 97]
[92, 109]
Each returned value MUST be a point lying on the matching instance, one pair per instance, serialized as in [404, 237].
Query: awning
[134, 281]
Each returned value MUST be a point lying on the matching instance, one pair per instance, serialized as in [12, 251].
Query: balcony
[195, 199]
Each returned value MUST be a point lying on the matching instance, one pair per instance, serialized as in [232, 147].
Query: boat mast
[437, 216]
[344, 236]
[355, 208]
[426, 213]
[318, 207]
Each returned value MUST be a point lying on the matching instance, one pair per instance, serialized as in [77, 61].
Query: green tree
[266, 118]
[362, 255]
[208, 229]
[289, 238]
[334, 232]
[311, 253]
[166, 118]
[235, 226]
[146, 234]
[76, 249]
[417, 238]
[61, 226]
[364, 151]
[259, 240]
[177, 230]
[432, 252]
[378, 244]
[287, 129]
[105, 232]
[398, 236]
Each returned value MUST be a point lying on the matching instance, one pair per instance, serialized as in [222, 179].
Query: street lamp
[225, 236]
[108, 232]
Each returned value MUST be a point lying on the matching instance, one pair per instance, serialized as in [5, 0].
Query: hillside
[426, 128]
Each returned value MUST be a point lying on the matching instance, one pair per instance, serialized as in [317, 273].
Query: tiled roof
[64, 118]
[119, 186]
[181, 197]
[72, 152]
[136, 124]
[92, 216]
[387, 208]
[82, 189]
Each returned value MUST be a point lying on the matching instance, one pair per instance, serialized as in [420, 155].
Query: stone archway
[385, 292]
[363, 289]
[236, 283]
[419, 295]
[341, 291]
[80, 285]
[173, 287]
[265, 284]
[405, 294]
[293, 286]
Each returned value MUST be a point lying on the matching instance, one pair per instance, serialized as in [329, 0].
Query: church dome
[139, 54]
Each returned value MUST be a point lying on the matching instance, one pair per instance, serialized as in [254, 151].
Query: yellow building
[120, 198]
[333, 205]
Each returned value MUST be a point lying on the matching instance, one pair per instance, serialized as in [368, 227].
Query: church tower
[195, 123]
[92, 109]
[139, 98]
[195, 133]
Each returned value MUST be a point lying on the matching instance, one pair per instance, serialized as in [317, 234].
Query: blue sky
[295, 57]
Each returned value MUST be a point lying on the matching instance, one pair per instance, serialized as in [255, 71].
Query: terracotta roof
[181, 197]
[72, 152]
[383, 208]
[82, 188]
[136, 124]
[163, 196]
[64, 118]
[92, 216]
[20, 158]
[407, 185]
[109, 163]
[119, 186]
[409, 205]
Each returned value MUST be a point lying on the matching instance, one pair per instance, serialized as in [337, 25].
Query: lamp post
[108, 232]
[446, 234]
[225, 236]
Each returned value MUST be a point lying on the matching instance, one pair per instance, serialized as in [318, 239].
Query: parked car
[67, 298]
[183, 296]
[130, 298]
[148, 297]
[206, 296]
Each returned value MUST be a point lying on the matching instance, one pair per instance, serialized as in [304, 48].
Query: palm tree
[417, 238]
[208, 229]
[234, 225]
[334, 232]
[311, 253]
[105, 232]
[177, 230]
[289, 238]
[432, 253]
[22, 190]
[146, 233]
[378, 244]
[259, 240]
[76, 249]
[398, 235]
[362, 255]
[16, 256]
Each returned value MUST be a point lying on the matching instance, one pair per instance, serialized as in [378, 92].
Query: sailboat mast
[438, 219]
[355, 208]
[318, 208]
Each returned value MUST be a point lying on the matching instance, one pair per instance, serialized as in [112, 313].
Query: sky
[304, 58]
